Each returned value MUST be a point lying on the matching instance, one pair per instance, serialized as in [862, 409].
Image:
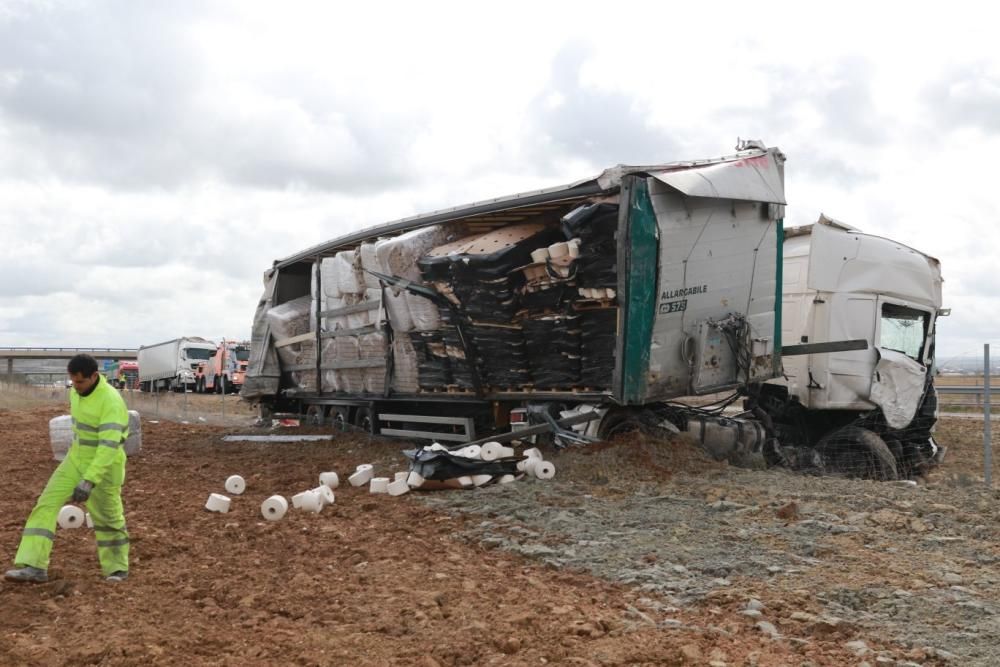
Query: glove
[82, 491]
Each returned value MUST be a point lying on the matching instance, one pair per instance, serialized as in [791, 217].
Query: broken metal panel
[753, 178]
[717, 257]
[898, 387]
[263, 374]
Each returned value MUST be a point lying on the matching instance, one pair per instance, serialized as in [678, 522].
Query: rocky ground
[638, 553]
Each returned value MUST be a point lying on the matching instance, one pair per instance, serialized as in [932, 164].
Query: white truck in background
[173, 363]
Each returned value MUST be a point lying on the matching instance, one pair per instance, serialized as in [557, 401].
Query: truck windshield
[904, 330]
[242, 355]
[198, 353]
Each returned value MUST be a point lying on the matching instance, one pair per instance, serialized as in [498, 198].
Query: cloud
[966, 96]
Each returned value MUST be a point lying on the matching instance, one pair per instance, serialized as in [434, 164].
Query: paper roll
[557, 250]
[217, 503]
[507, 479]
[465, 481]
[365, 466]
[480, 480]
[471, 452]
[325, 494]
[491, 451]
[236, 485]
[400, 476]
[573, 245]
[533, 453]
[90, 522]
[361, 477]
[329, 479]
[414, 480]
[544, 469]
[309, 501]
[398, 488]
[274, 508]
[379, 485]
[436, 447]
[70, 516]
[540, 255]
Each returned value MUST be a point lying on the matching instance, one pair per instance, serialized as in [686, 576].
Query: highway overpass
[27, 357]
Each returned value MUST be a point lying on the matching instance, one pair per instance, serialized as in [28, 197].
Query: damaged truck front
[599, 303]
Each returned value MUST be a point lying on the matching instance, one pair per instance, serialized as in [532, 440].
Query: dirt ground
[638, 553]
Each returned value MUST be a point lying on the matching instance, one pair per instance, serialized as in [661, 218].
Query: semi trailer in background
[171, 365]
[596, 307]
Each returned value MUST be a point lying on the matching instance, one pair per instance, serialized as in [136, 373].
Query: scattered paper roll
[436, 447]
[274, 508]
[534, 453]
[539, 255]
[325, 494]
[544, 469]
[414, 480]
[236, 485]
[90, 522]
[361, 477]
[329, 479]
[557, 250]
[573, 245]
[365, 466]
[480, 480]
[465, 481]
[491, 451]
[398, 488]
[507, 479]
[471, 452]
[379, 485]
[217, 503]
[70, 516]
[308, 501]
[400, 476]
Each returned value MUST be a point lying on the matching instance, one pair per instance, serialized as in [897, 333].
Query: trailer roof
[698, 178]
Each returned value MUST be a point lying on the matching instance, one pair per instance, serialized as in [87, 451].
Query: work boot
[120, 575]
[27, 573]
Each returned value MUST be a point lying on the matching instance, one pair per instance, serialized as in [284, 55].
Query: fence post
[987, 427]
[223, 398]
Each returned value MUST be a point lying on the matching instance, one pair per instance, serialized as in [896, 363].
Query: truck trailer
[172, 364]
[603, 303]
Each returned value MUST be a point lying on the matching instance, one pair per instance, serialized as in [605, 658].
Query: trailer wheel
[339, 418]
[858, 452]
[315, 415]
[363, 420]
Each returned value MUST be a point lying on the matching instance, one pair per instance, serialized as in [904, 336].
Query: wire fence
[217, 409]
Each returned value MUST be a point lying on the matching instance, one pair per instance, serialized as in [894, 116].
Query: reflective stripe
[87, 443]
[112, 543]
[114, 444]
[39, 532]
[111, 427]
[85, 427]
[109, 529]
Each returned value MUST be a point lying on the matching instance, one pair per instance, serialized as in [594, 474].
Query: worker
[121, 379]
[92, 472]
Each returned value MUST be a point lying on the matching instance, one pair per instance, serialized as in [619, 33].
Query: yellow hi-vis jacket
[100, 426]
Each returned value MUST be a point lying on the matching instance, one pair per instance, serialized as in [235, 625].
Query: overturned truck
[594, 307]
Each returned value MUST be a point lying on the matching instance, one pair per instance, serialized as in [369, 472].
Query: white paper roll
[533, 453]
[544, 469]
[70, 516]
[491, 451]
[235, 485]
[436, 447]
[398, 488]
[471, 452]
[540, 255]
[365, 466]
[400, 476]
[217, 503]
[414, 480]
[325, 494]
[274, 508]
[309, 501]
[90, 522]
[507, 479]
[480, 480]
[329, 479]
[557, 250]
[379, 485]
[573, 245]
[361, 477]
[465, 481]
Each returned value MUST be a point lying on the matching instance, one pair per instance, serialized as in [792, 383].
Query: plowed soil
[371, 580]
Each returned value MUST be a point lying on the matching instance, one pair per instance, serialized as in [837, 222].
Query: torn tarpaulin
[439, 464]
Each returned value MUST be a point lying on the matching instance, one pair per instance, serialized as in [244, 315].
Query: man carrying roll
[92, 472]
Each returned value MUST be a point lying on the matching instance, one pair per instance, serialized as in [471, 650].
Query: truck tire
[363, 420]
[315, 415]
[339, 418]
[858, 452]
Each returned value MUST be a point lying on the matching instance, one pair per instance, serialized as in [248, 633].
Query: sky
[156, 157]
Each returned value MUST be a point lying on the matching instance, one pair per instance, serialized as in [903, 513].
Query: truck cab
[225, 370]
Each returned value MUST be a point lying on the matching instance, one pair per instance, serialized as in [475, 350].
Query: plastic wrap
[351, 380]
[290, 319]
[373, 346]
[399, 256]
[348, 270]
[405, 372]
[330, 277]
[434, 368]
[423, 313]
[398, 310]
[331, 378]
[303, 354]
[369, 262]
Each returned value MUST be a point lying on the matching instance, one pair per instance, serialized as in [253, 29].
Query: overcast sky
[156, 157]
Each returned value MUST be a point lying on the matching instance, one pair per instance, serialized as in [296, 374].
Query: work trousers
[106, 511]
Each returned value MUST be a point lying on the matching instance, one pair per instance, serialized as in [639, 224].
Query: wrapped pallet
[351, 380]
[330, 277]
[350, 279]
[331, 377]
[405, 374]
[289, 320]
[373, 346]
[369, 262]
[305, 355]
